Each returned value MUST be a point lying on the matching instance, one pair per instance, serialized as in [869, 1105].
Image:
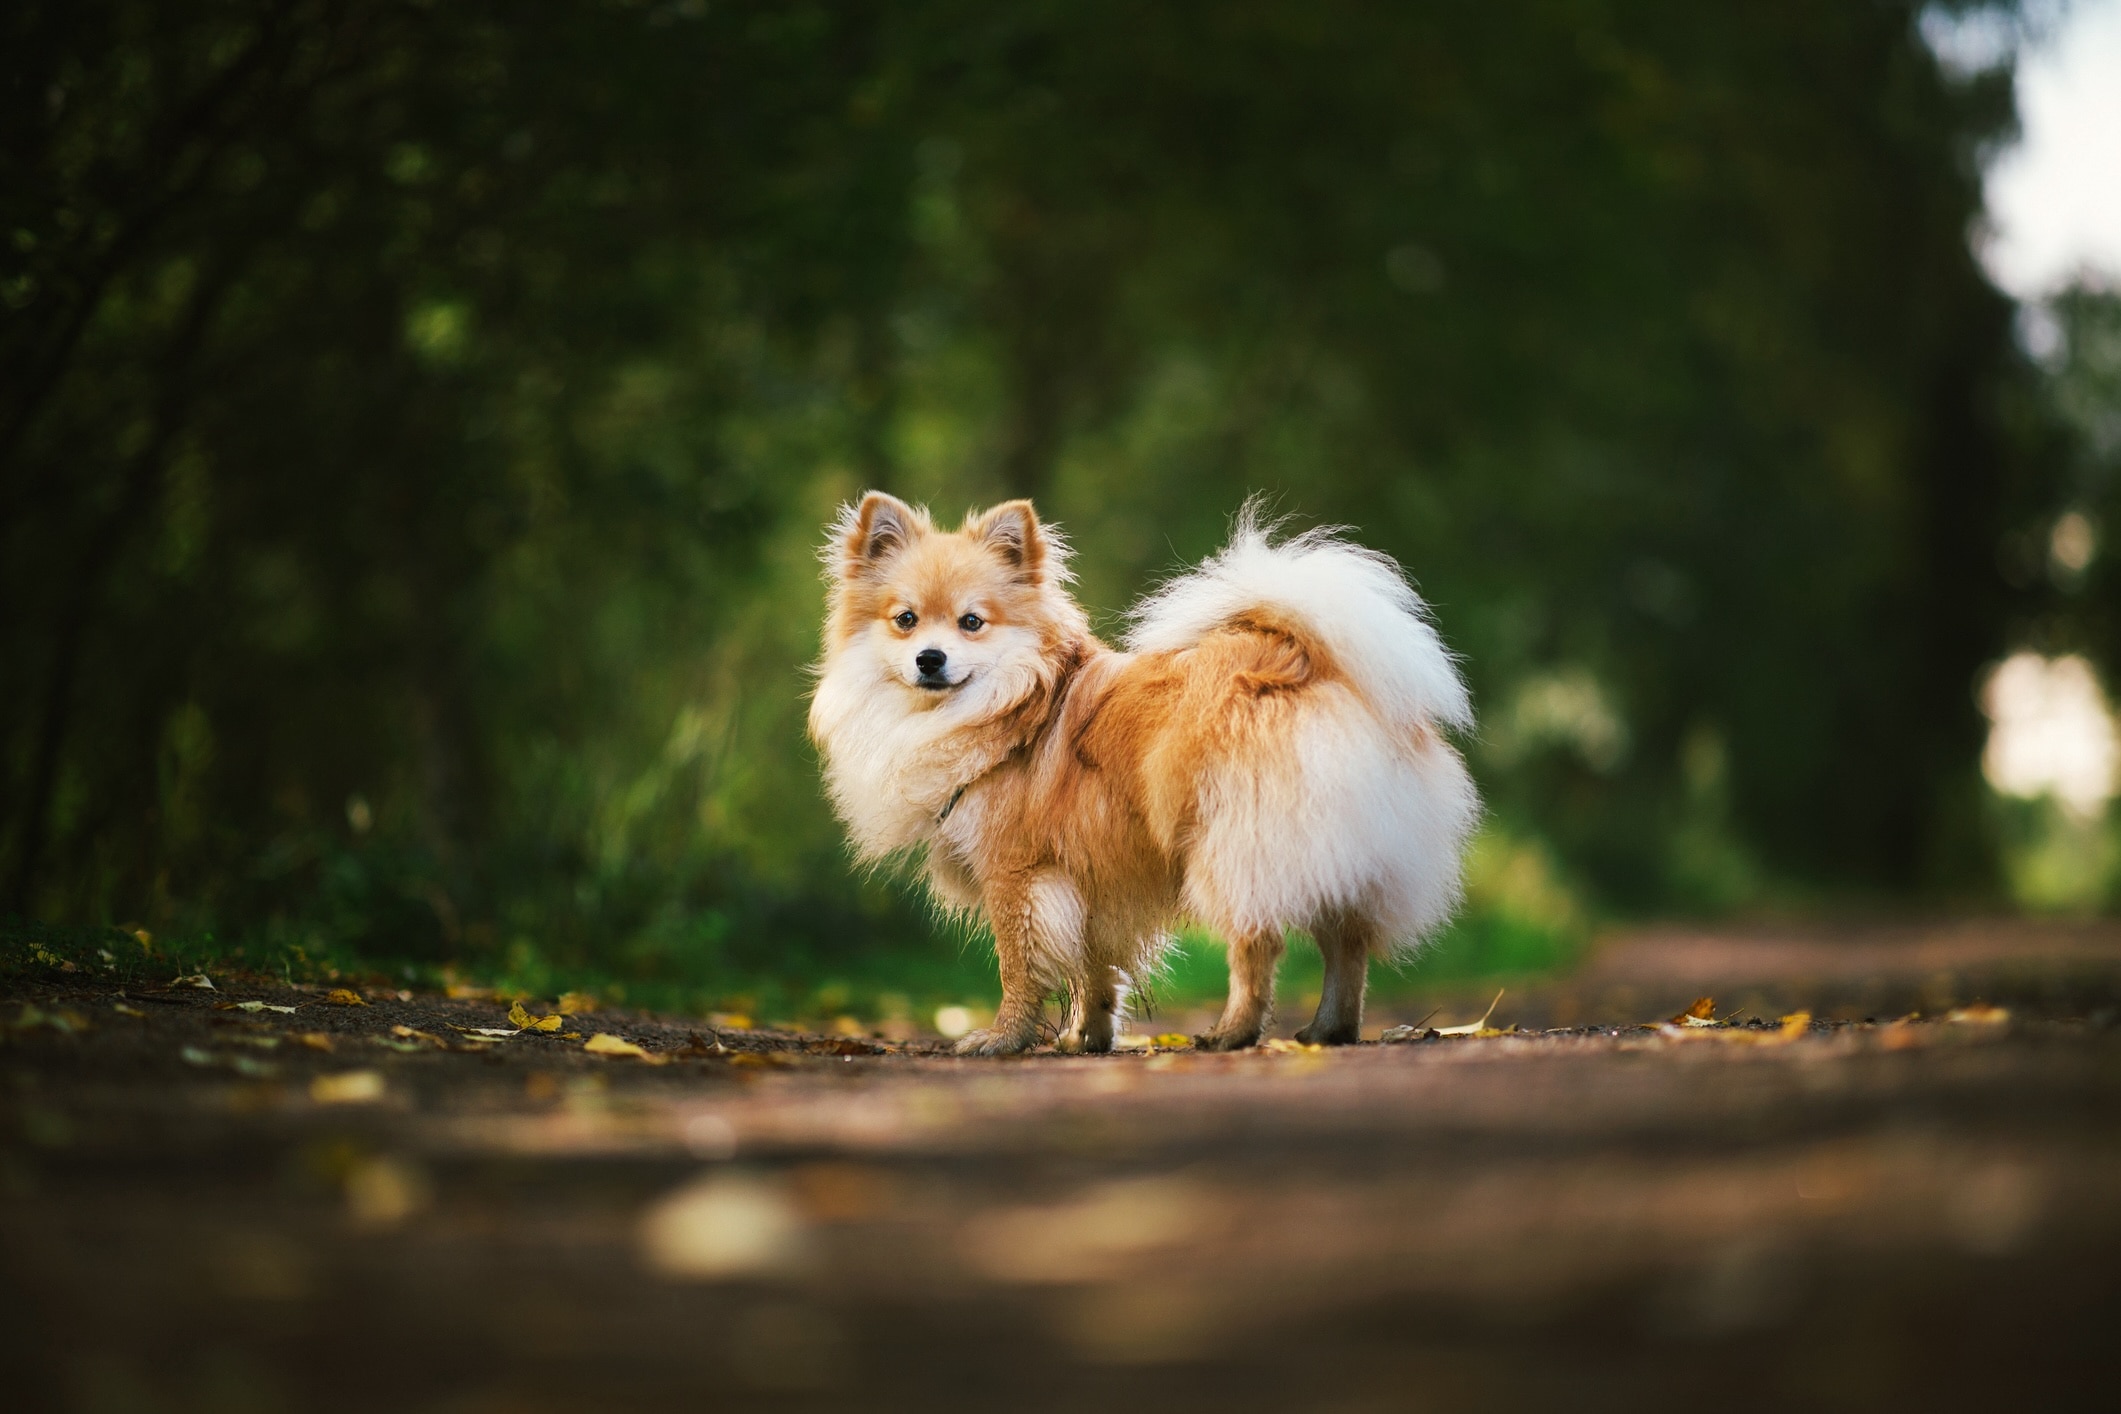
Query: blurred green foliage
[416, 421]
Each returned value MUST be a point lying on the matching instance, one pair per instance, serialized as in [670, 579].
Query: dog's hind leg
[1090, 1011]
[1345, 941]
[1251, 1002]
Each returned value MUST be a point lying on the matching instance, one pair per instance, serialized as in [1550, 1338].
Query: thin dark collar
[955, 797]
[1064, 680]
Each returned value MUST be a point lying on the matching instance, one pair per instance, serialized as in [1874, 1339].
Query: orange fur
[1061, 790]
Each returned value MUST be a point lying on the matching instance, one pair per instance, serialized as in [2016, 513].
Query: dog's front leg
[1091, 1011]
[1015, 1029]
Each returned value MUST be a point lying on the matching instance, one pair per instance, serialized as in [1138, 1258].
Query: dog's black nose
[930, 661]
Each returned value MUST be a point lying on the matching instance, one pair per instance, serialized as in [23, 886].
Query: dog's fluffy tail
[1343, 801]
[1353, 602]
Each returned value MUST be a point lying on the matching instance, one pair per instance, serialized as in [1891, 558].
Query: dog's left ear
[1011, 531]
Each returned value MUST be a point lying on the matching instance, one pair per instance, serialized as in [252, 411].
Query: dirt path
[202, 1209]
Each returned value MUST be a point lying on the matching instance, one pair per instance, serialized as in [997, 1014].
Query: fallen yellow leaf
[575, 1003]
[123, 1010]
[199, 981]
[264, 1006]
[1472, 1028]
[345, 996]
[606, 1044]
[1173, 1039]
[1701, 1013]
[524, 1021]
[348, 1087]
[1980, 1014]
[315, 1040]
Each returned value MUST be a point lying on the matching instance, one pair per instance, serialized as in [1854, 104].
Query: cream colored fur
[1266, 754]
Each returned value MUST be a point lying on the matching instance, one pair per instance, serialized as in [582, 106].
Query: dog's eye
[972, 623]
[906, 620]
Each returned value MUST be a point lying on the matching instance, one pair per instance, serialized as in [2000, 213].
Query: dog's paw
[1226, 1040]
[1317, 1035]
[997, 1041]
[1084, 1043]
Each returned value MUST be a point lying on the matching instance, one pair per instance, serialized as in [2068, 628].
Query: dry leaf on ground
[1474, 1028]
[1173, 1039]
[345, 996]
[575, 1003]
[1412, 1032]
[264, 1006]
[606, 1044]
[524, 1021]
[315, 1041]
[196, 980]
[1979, 1014]
[1701, 1013]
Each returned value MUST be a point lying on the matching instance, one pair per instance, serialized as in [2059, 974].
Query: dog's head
[948, 615]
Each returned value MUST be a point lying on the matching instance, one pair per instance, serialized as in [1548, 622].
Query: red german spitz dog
[1267, 752]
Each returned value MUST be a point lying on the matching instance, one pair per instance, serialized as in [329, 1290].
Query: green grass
[906, 982]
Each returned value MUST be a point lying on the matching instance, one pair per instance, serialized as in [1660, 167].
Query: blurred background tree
[416, 421]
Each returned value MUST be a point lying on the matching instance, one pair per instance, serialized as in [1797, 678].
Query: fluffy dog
[1266, 753]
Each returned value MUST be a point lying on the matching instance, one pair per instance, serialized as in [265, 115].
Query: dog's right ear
[878, 528]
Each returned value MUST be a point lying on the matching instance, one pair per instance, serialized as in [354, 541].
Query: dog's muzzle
[930, 663]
